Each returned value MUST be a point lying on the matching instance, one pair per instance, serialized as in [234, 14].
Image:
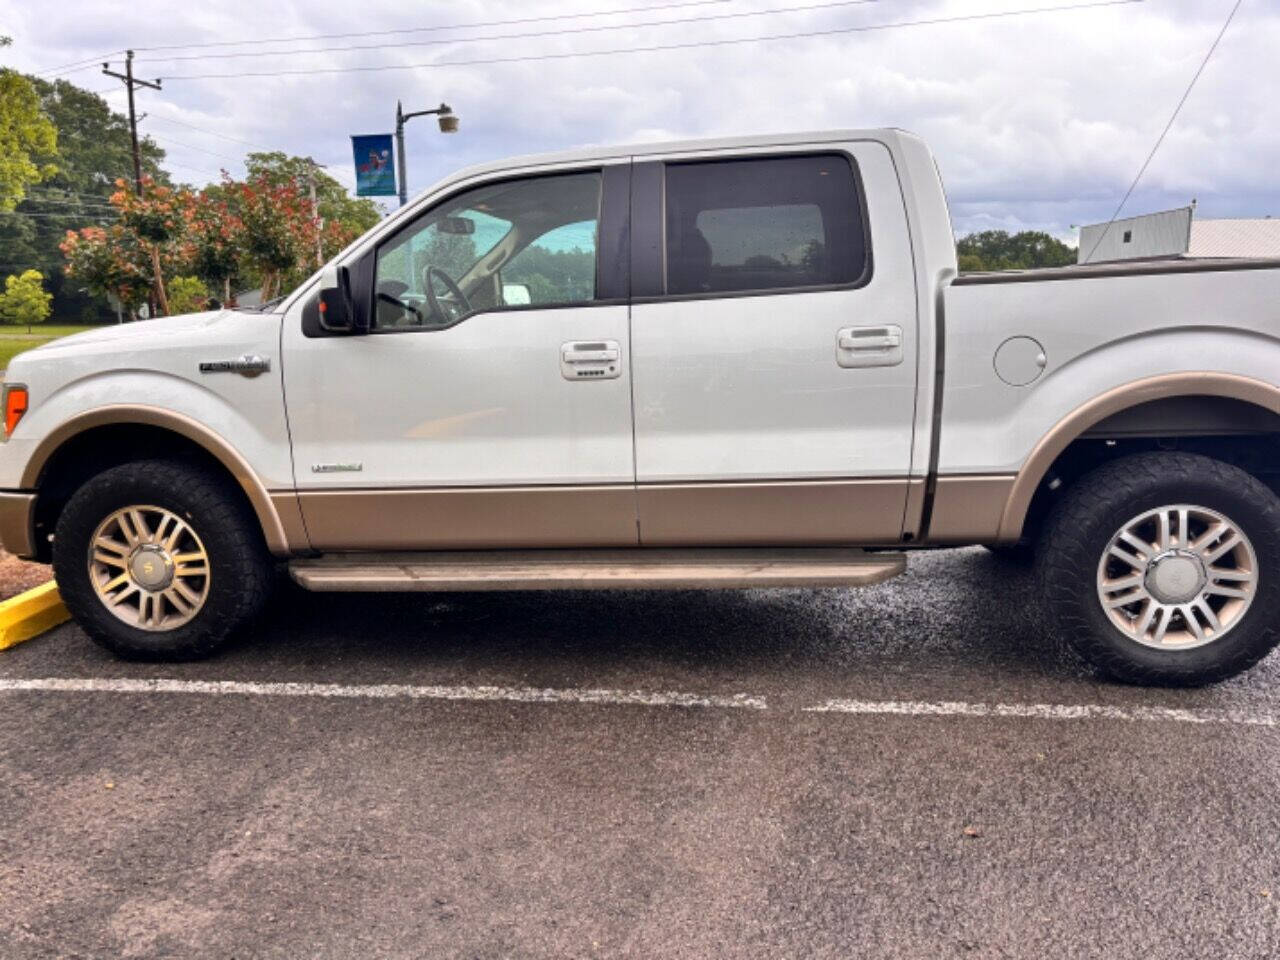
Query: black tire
[1093, 510]
[1020, 554]
[239, 565]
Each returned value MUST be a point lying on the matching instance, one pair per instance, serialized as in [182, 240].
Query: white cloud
[1038, 121]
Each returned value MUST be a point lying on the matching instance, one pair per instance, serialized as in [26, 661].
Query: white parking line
[644, 698]
[1044, 711]
[382, 691]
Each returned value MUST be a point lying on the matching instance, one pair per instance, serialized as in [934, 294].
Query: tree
[109, 261]
[342, 217]
[279, 232]
[28, 139]
[355, 215]
[94, 151]
[1001, 250]
[213, 241]
[553, 275]
[24, 299]
[188, 295]
[157, 217]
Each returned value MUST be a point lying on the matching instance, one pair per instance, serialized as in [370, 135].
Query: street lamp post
[448, 124]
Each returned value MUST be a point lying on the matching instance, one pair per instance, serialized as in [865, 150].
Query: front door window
[515, 244]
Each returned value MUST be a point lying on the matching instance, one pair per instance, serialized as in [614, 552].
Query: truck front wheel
[1164, 568]
[159, 560]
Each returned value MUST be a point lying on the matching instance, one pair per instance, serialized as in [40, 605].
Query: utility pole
[448, 124]
[132, 84]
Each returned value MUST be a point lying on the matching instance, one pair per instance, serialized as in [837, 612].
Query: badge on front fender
[249, 365]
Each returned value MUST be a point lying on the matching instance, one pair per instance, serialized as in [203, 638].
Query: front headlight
[15, 405]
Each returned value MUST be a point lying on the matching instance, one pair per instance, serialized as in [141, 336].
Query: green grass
[14, 340]
[45, 331]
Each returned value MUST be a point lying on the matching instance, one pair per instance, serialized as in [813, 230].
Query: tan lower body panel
[967, 509]
[767, 513]
[287, 509]
[634, 569]
[15, 523]
[470, 518]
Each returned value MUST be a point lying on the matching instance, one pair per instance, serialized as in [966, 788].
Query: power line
[432, 29]
[191, 146]
[1163, 133]
[33, 191]
[807, 34]
[210, 133]
[68, 203]
[599, 28]
[257, 147]
[77, 65]
[184, 166]
[55, 216]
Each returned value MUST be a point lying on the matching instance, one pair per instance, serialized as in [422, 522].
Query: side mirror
[337, 309]
[516, 295]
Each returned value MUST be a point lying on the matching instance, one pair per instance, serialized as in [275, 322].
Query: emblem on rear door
[351, 466]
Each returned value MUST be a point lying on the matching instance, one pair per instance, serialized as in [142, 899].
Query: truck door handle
[591, 360]
[870, 338]
[572, 355]
[869, 346]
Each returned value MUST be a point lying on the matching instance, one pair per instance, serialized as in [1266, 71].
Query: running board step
[637, 569]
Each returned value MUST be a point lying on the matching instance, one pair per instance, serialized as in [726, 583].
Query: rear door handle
[870, 338]
[869, 346]
[591, 360]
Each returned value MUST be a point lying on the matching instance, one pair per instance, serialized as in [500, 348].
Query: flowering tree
[156, 216]
[263, 229]
[278, 229]
[109, 261]
[214, 240]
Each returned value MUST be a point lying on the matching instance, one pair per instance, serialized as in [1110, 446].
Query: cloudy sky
[1038, 120]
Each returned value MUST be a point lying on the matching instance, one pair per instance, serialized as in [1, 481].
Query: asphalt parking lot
[636, 774]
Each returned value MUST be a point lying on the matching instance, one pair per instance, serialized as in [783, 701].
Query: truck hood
[186, 326]
[175, 346]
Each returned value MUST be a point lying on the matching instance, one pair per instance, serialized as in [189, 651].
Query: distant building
[1177, 233]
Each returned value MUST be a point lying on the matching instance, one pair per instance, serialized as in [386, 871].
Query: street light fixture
[448, 121]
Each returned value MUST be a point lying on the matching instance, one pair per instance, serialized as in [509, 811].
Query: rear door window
[763, 224]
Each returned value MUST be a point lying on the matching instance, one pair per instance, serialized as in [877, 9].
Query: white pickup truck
[727, 363]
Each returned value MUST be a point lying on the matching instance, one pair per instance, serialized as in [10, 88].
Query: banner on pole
[375, 165]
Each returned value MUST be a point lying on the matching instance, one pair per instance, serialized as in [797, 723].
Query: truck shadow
[960, 610]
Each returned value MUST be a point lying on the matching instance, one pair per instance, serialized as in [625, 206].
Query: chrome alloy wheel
[1177, 577]
[149, 568]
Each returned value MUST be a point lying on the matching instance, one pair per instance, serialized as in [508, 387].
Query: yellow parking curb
[30, 614]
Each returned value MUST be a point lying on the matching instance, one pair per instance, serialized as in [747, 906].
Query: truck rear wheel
[1164, 568]
[159, 560]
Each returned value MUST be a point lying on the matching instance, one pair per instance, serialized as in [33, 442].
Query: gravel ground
[19, 575]
[262, 820]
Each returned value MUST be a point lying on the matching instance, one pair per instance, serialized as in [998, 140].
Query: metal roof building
[1176, 233]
